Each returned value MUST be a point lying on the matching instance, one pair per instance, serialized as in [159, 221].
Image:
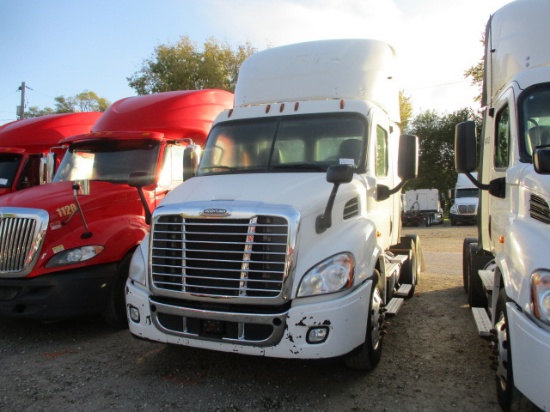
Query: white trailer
[422, 207]
[286, 243]
[507, 268]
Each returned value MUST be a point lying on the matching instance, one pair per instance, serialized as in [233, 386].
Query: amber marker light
[501, 239]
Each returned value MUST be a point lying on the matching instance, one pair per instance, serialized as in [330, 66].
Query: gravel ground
[432, 360]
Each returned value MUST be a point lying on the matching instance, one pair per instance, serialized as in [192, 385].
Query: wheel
[466, 261]
[367, 356]
[453, 222]
[409, 271]
[476, 295]
[114, 313]
[506, 392]
[420, 266]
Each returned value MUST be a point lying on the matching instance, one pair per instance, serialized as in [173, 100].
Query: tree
[436, 135]
[476, 73]
[85, 101]
[183, 67]
[405, 109]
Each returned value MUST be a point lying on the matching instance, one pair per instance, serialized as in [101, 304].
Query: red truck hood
[57, 198]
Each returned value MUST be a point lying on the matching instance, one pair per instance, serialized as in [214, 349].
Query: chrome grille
[21, 235]
[539, 210]
[466, 209]
[220, 257]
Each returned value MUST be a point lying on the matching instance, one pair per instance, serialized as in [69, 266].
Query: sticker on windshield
[347, 162]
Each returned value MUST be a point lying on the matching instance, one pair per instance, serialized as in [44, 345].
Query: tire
[466, 261]
[506, 393]
[420, 265]
[409, 271]
[453, 222]
[476, 295]
[368, 355]
[114, 313]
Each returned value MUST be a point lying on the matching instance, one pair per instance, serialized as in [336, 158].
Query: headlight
[453, 209]
[72, 256]
[540, 295]
[331, 275]
[138, 266]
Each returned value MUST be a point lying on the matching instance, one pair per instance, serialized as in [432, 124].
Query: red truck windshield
[9, 163]
[108, 160]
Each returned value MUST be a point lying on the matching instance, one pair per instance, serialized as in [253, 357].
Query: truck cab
[286, 243]
[507, 268]
[30, 151]
[72, 239]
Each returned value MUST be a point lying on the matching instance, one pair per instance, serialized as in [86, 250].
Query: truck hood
[57, 198]
[466, 200]
[306, 192]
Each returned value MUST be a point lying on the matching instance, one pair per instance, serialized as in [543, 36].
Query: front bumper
[471, 219]
[345, 318]
[58, 295]
[530, 357]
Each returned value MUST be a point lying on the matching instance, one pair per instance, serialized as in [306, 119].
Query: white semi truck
[464, 201]
[507, 268]
[287, 241]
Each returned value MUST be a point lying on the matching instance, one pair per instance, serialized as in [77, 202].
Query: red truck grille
[21, 234]
[220, 257]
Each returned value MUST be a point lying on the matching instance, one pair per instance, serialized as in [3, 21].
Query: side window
[502, 139]
[381, 157]
[172, 169]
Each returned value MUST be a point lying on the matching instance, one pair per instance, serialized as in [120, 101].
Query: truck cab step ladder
[398, 259]
[403, 290]
[393, 306]
[487, 278]
[483, 323]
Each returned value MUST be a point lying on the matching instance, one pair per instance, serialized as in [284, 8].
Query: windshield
[9, 163]
[108, 160]
[473, 192]
[535, 112]
[282, 144]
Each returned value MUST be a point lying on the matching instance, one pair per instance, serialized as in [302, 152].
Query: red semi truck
[65, 247]
[26, 144]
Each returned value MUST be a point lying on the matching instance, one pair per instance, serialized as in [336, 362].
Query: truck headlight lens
[138, 265]
[72, 256]
[453, 209]
[540, 295]
[331, 275]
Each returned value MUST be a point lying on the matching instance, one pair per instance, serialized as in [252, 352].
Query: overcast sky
[63, 47]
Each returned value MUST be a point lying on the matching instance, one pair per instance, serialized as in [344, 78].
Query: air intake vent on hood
[539, 209]
[351, 209]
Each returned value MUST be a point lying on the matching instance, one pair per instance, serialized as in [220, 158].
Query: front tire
[466, 261]
[506, 391]
[114, 313]
[368, 355]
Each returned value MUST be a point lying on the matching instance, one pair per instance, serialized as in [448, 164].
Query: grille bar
[220, 257]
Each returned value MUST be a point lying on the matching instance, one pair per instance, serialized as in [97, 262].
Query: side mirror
[81, 187]
[339, 174]
[541, 160]
[191, 159]
[465, 147]
[408, 157]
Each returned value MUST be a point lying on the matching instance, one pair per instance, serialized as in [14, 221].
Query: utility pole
[22, 107]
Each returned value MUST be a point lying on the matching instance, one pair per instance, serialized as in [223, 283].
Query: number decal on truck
[66, 210]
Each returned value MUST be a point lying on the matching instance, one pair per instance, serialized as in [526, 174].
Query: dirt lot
[432, 360]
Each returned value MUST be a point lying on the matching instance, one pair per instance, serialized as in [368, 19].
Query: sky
[64, 47]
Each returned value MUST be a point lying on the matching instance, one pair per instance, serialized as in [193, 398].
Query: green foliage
[86, 101]
[436, 134]
[405, 108]
[183, 67]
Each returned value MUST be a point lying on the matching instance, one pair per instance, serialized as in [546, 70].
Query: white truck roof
[320, 70]
[517, 36]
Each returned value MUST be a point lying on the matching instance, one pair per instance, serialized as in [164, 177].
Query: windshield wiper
[302, 166]
[220, 167]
